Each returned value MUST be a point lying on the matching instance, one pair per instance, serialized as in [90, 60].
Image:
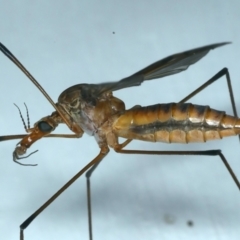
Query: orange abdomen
[175, 123]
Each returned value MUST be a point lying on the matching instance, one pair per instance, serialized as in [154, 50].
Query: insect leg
[217, 76]
[20, 136]
[8, 54]
[221, 73]
[103, 152]
[203, 153]
[88, 175]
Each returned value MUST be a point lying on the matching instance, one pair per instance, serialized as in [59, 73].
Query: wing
[90, 92]
[168, 66]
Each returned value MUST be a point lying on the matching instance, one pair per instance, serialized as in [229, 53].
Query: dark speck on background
[190, 223]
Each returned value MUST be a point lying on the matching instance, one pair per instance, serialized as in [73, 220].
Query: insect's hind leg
[202, 153]
[221, 73]
[216, 77]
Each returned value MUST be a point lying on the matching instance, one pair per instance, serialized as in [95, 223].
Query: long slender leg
[103, 152]
[20, 136]
[88, 175]
[218, 152]
[216, 77]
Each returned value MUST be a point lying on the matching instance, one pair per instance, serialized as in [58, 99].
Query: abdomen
[178, 123]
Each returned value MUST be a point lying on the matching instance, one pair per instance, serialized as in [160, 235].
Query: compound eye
[44, 126]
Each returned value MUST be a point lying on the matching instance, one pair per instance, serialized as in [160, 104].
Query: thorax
[90, 113]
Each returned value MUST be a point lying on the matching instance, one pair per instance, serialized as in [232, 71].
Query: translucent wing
[90, 92]
[168, 66]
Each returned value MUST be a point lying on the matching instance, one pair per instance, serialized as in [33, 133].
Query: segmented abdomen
[176, 122]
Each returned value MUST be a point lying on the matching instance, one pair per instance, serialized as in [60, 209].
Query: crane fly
[92, 108]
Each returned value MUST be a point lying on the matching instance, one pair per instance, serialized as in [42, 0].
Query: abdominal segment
[175, 123]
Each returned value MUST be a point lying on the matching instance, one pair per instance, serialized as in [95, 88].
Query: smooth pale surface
[63, 43]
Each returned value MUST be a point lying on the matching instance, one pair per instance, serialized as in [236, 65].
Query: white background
[63, 43]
